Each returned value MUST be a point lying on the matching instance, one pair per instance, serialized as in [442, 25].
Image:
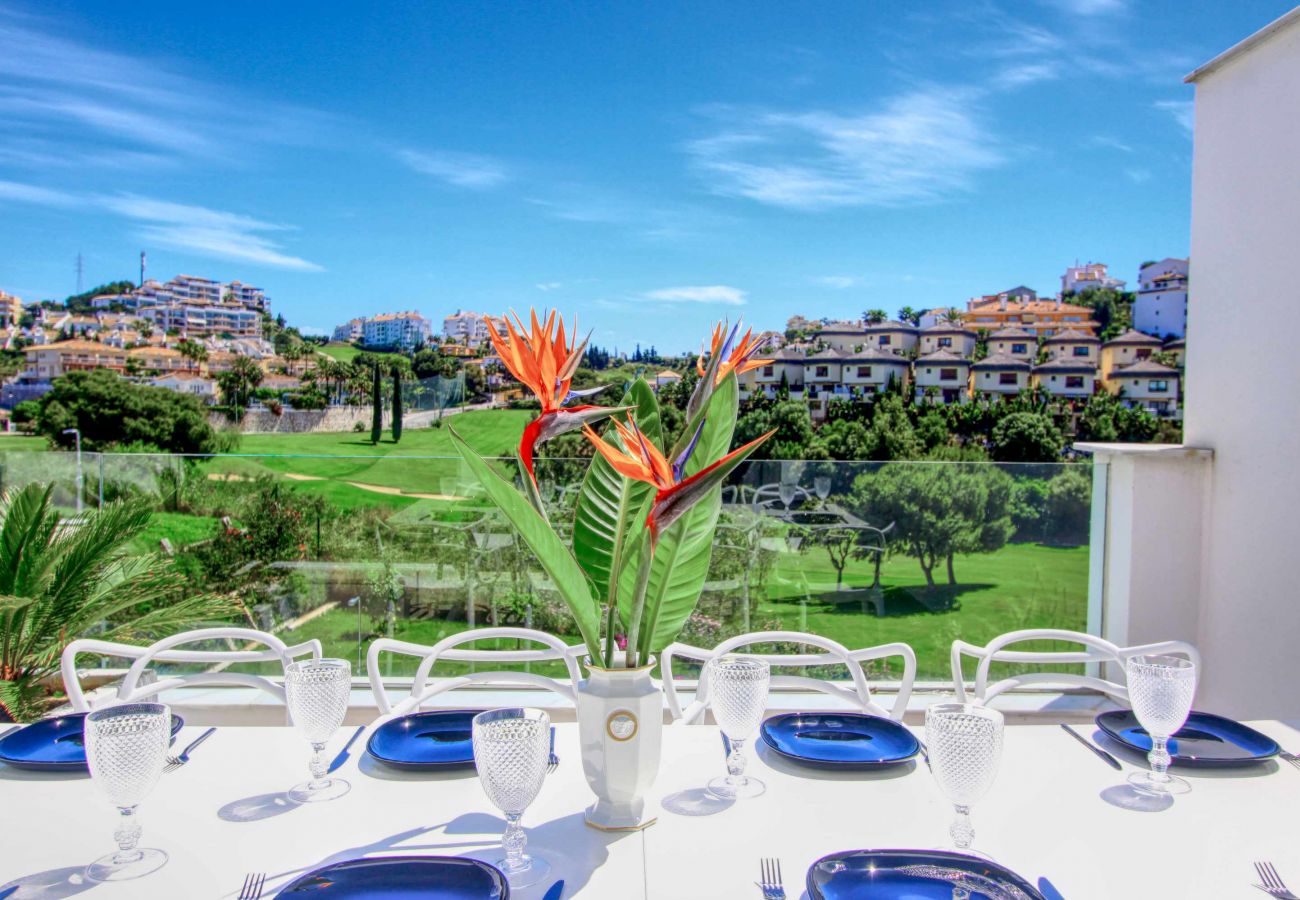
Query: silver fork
[553, 761]
[175, 762]
[770, 879]
[1273, 885]
[1291, 758]
[253, 884]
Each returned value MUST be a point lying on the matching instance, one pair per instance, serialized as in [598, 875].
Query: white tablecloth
[1055, 812]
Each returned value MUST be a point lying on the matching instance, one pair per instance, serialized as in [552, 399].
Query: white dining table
[1056, 813]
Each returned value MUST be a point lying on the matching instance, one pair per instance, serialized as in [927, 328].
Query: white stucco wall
[1245, 218]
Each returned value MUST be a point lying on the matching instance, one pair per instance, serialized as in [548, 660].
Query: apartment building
[1161, 304]
[786, 364]
[11, 310]
[1147, 384]
[1078, 279]
[1065, 377]
[350, 331]
[1000, 375]
[245, 295]
[185, 383]
[945, 374]
[400, 329]
[899, 338]
[199, 318]
[1126, 349]
[953, 338]
[1038, 317]
[45, 363]
[1078, 346]
[469, 328]
[1013, 342]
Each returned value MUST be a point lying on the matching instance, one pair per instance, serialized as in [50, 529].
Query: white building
[468, 328]
[350, 330]
[195, 385]
[400, 329]
[1093, 275]
[1161, 304]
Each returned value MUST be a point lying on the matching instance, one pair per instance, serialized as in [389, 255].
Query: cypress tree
[397, 403]
[377, 405]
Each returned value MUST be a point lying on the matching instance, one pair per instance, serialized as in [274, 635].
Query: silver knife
[343, 754]
[1106, 757]
[553, 894]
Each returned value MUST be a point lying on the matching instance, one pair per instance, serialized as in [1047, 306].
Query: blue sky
[651, 167]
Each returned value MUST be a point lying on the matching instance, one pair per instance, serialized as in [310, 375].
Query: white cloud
[197, 229]
[463, 170]
[838, 282]
[1138, 176]
[713, 293]
[1027, 74]
[549, 285]
[921, 147]
[1091, 7]
[1103, 140]
[1181, 110]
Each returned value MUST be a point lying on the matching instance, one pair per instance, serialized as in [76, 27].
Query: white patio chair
[422, 690]
[1094, 650]
[166, 651]
[859, 694]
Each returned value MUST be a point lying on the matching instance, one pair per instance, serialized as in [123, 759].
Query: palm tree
[59, 580]
[238, 382]
[875, 316]
[952, 316]
[193, 350]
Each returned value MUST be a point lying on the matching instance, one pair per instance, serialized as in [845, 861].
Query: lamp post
[80, 481]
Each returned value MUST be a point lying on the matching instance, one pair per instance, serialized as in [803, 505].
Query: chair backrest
[422, 690]
[166, 651]
[833, 653]
[1092, 650]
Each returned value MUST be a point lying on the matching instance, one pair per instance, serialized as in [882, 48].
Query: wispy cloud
[1137, 176]
[70, 102]
[1025, 74]
[206, 232]
[641, 217]
[1091, 7]
[712, 293]
[921, 147]
[836, 282]
[1108, 142]
[549, 285]
[462, 170]
[1181, 110]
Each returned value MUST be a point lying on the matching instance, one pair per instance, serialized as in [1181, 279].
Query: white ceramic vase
[620, 724]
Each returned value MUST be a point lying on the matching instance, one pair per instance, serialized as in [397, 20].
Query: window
[885, 340]
[1007, 378]
[947, 374]
[1019, 348]
[821, 371]
[1080, 351]
[864, 371]
[945, 342]
[1073, 381]
[768, 371]
[1157, 386]
[1143, 352]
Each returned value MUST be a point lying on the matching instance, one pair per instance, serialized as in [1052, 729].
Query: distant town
[183, 334]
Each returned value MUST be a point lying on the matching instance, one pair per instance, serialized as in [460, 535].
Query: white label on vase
[621, 725]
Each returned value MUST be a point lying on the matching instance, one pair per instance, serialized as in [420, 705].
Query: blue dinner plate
[427, 740]
[1205, 741]
[403, 878]
[910, 875]
[54, 745]
[839, 740]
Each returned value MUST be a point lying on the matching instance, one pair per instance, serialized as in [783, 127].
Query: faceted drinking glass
[126, 748]
[317, 692]
[511, 750]
[822, 486]
[965, 745]
[738, 697]
[1161, 690]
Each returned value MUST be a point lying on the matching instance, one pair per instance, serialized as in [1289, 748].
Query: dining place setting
[131, 746]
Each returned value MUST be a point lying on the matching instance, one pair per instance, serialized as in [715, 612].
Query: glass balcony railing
[347, 549]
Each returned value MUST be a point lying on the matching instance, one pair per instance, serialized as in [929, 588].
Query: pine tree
[397, 403]
[377, 405]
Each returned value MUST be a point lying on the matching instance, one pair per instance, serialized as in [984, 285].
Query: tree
[875, 316]
[376, 403]
[193, 351]
[237, 383]
[1068, 506]
[791, 421]
[1026, 437]
[938, 510]
[907, 314]
[397, 402]
[59, 583]
[111, 412]
[845, 439]
[79, 304]
[952, 316]
[890, 435]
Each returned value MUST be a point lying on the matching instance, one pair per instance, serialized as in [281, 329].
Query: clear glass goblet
[126, 748]
[965, 744]
[822, 486]
[786, 490]
[511, 750]
[738, 697]
[1160, 688]
[317, 692]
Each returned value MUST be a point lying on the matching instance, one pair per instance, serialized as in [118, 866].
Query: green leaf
[550, 551]
[681, 557]
[608, 503]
